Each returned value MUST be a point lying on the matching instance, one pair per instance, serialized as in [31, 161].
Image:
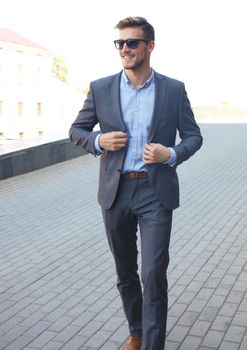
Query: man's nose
[125, 47]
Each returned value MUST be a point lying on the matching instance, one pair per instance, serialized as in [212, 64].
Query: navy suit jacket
[172, 113]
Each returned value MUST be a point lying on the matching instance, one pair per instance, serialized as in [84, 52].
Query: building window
[20, 109]
[19, 73]
[39, 109]
[38, 75]
[1, 108]
[1, 114]
[19, 68]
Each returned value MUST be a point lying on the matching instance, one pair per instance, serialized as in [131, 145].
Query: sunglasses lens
[119, 44]
[131, 43]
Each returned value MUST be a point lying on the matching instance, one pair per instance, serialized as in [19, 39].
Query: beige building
[32, 101]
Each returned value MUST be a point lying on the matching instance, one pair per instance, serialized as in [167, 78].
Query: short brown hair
[146, 27]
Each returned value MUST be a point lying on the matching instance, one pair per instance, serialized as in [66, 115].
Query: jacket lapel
[116, 106]
[159, 102]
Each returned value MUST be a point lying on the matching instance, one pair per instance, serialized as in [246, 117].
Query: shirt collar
[148, 82]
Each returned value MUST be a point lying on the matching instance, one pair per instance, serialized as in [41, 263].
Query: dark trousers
[146, 310]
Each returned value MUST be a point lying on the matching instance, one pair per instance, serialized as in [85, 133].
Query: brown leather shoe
[132, 343]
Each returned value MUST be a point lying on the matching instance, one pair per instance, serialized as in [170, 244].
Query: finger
[120, 142]
[120, 134]
[147, 153]
[147, 160]
[119, 139]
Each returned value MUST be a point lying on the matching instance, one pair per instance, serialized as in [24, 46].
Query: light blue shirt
[137, 110]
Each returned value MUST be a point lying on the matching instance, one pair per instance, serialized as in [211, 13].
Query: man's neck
[137, 79]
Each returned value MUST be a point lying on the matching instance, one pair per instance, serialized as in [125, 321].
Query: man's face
[138, 57]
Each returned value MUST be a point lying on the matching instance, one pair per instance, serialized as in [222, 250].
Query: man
[139, 112]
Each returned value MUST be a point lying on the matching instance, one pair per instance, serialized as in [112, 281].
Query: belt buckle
[135, 175]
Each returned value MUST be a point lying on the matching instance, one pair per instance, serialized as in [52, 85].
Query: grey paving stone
[171, 345]
[52, 345]
[113, 324]
[9, 325]
[228, 309]
[200, 328]
[243, 304]
[229, 346]
[13, 334]
[37, 329]
[43, 339]
[195, 286]
[98, 339]
[178, 333]
[191, 343]
[197, 305]
[216, 301]
[171, 321]
[188, 318]
[221, 323]
[3, 344]
[212, 282]
[205, 293]
[99, 305]
[109, 345]
[91, 328]
[20, 343]
[74, 344]
[60, 324]
[235, 334]
[213, 339]
[54, 315]
[106, 314]
[243, 345]
[177, 309]
[209, 313]
[186, 298]
[223, 289]
[120, 335]
[236, 294]
[35, 317]
[67, 334]
[240, 319]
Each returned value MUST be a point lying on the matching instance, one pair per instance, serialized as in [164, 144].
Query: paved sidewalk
[57, 280]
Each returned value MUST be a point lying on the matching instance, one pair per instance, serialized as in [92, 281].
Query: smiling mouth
[127, 57]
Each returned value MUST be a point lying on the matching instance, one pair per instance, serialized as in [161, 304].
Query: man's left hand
[155, 153]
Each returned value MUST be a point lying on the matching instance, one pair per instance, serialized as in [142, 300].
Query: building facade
[32, 101]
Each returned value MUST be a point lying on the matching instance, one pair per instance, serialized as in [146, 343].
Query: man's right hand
[113, 141]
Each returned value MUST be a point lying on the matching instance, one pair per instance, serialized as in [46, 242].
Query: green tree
[59, 69]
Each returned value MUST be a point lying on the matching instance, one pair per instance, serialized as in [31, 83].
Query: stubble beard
[134, 66]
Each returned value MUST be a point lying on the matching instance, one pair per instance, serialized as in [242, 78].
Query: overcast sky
[201, 42]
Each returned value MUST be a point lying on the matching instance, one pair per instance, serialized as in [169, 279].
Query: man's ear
[151, 46]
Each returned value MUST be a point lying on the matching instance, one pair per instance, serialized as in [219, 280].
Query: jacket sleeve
[189, 131]
[81, 132]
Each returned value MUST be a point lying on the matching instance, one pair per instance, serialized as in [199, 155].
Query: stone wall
[37, 157]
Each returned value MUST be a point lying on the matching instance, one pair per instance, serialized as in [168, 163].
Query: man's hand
[113, 141]
[155, 153]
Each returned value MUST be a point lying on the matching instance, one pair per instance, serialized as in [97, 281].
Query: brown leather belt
[135, 174]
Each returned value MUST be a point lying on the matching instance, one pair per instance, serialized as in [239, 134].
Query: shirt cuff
[173, 159]
[97, 147]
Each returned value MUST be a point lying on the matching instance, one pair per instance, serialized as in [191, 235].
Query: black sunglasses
[131, 43]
